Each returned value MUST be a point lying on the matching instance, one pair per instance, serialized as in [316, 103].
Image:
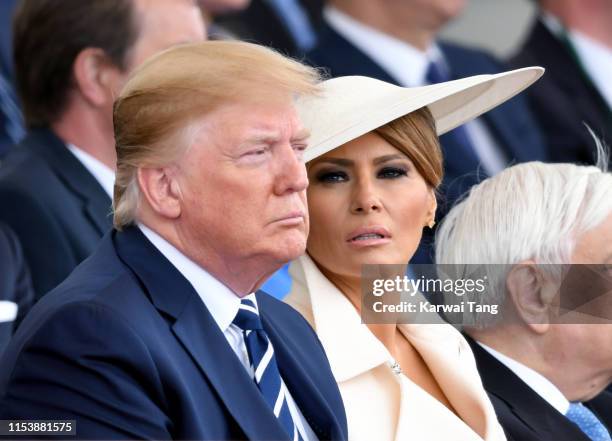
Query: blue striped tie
[263, 364]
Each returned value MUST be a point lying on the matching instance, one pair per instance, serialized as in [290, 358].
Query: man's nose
[290, 171]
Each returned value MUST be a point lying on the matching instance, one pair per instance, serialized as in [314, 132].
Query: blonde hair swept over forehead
[181, 85]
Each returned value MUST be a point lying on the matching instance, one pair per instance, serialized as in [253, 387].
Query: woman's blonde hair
[175, 88]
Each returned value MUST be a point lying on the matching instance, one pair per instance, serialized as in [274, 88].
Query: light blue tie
[263, 363]
[588, 422]
[297, 21]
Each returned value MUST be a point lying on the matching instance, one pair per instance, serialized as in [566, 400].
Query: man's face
[242, 187]
[584, 343]
[431, 14]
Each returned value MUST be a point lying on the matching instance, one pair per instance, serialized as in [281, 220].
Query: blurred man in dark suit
[161, 334]
[16, 293]
[11, 122]
[545, 357]
[572, 39]
[289, 26]
[396, 41]
[71, 59]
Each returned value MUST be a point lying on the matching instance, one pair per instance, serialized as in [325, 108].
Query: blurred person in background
[397, 42]
[374, 165]
[11, 121]
[289, 26]
[545, 379]
[161, 333]
[212, 9]
[572, 39]
[71, 59]
[16, 293]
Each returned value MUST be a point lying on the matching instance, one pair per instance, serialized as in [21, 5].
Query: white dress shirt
[102, 173]
[8, 311]
[536, 381]
[223, 305]
[595, 58]
[408, 66]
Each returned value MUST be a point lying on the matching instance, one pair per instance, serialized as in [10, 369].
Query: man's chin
[290, 248]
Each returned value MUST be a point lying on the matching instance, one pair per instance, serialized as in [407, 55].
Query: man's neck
[592, 23]
[85, 130]
[241, 276]
[537, 355]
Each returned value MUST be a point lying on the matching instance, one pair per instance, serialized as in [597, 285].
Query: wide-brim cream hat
[351, 106]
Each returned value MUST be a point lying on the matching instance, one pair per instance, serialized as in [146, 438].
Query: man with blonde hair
[546, 230]
[160, 333]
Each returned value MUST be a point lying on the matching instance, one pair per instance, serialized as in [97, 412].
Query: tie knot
[247, 317]
[436, 73]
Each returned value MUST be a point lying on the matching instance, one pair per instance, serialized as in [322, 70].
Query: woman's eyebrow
[387, 158]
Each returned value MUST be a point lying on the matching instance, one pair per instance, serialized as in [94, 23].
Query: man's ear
[532, 295]
[95, 76]
[161, 191]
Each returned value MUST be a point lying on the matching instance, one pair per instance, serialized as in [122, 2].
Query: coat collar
[350, 346]
[352, 349]
[195, 328]
[51, 149]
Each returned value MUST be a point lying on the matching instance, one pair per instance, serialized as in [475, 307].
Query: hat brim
[352, 106]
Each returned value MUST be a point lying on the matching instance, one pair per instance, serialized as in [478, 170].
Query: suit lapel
[199, 334]
[441, 351]
[291, 361]
[76, 178]
[523, 401]
[558, 59]
[353, 61]
[202, 338]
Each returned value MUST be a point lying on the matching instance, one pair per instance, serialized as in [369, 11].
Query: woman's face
[368, 204]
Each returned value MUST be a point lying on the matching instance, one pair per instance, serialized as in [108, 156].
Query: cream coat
[380, 404]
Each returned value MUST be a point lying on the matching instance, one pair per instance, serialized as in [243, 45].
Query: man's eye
[258, 152]
[299, 147]
[332, 177]
[392, 172]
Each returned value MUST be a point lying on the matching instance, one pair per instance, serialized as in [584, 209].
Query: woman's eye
[332, 177]
[392, 172]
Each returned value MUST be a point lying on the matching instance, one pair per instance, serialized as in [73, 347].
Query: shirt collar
[407, 64]
[220, 301]
[553, 24]
[103, 174]
[540, 384]
[596, 59]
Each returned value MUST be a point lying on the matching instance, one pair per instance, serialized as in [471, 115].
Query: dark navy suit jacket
[564, 98]
[511, 124]
[55, 206]
[126, 347]
[524, 415]
[15, 284]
